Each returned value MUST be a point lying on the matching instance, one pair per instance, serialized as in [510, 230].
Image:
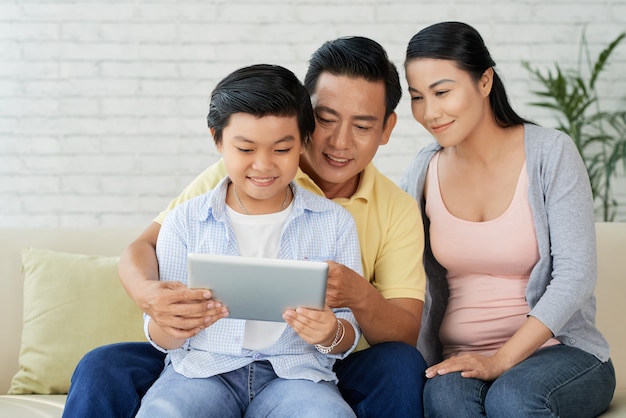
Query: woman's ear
[486, 82]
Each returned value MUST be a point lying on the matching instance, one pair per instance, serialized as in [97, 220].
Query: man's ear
[390, 123]
[486, 82]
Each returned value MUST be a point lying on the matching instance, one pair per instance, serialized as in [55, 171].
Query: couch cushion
[72, 304]
[29, 406]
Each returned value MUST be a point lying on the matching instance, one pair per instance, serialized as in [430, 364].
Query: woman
[508, 326]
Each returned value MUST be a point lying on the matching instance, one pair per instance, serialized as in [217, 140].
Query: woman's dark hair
[354, 57]
[461, 43]
[261, 90]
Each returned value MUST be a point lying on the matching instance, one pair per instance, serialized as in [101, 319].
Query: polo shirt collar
[364, 190]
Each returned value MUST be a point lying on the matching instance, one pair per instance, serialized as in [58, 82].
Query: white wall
[103, 102]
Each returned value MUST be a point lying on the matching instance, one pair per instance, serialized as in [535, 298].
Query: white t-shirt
[259, 236]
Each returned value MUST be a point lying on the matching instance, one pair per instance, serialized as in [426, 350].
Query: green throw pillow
[72, 304]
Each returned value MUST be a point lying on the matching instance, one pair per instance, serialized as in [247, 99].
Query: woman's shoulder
[547, 143]
[416, 171]
[543, 137]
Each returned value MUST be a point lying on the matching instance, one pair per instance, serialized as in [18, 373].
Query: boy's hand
[179, 311]
[313, 326]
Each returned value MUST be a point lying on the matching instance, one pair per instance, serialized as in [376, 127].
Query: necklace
[245, 211]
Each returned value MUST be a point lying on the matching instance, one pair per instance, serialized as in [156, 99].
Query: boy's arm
[171, 305]
[163, 339]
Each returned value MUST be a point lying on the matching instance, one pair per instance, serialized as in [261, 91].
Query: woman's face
[446, 100]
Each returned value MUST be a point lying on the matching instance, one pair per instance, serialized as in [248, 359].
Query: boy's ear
[218, 145]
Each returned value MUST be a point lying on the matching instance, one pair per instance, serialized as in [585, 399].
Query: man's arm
[380, 319]
[180, 311]
[388, 300]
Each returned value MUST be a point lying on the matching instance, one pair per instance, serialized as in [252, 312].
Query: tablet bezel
[259, 288]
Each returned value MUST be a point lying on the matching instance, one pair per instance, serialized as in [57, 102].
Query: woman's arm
[531, 335]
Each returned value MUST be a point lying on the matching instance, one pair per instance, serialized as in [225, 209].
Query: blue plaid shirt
[317, 229]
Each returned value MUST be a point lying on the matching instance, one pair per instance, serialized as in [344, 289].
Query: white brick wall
[103, 102]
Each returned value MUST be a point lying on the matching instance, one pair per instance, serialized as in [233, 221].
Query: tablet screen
[259, 288]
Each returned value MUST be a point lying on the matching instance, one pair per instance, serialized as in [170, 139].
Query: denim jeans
[251, 391]
[556, 381]
[384, 380]
[109, 381]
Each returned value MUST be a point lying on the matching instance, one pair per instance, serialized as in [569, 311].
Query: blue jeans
[109, 381]
[251, 391]
[557, 381]
[386, 380]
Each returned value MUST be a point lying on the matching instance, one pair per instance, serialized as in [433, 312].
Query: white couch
[611, 293]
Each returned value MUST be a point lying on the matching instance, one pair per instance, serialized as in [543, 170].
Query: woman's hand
[526, 340]
[476, 366]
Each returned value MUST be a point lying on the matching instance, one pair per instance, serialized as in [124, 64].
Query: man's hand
[345, 286]
[179, 311]
[380, 319]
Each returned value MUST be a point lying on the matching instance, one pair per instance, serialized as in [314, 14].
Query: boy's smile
[261, 156]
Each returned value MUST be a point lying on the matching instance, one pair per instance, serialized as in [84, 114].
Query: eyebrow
[335, 113]
[286, 138]
[435, 84]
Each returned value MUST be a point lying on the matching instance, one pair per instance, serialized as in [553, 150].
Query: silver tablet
[259, 288]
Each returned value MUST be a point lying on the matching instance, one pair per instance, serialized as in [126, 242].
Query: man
[354, 90]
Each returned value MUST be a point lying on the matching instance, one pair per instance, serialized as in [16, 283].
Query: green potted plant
[599, 135]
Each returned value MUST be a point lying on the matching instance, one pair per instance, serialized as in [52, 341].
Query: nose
[341, 136]
[262, 161]
[431, 110]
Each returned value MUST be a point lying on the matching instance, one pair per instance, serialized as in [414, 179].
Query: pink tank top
[488, 266]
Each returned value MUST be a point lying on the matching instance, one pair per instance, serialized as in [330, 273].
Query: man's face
[349, 127]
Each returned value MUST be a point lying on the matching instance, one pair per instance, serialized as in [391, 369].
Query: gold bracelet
[341, 332]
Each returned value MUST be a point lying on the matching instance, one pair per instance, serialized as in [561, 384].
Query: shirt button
[256, 356]
[572, 341]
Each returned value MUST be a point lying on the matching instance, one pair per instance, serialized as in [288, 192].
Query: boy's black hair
[261, 90]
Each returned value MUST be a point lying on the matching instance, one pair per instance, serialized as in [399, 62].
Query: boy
[261, 119]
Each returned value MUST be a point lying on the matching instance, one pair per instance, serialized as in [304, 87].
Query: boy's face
[349, 128]
[261, 157]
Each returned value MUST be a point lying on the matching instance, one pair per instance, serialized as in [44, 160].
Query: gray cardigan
[561, 285]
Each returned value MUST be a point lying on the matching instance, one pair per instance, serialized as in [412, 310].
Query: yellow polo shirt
[388, 222]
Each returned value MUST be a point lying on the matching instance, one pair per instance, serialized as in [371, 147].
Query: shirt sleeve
[572, 272]
[399, 270]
